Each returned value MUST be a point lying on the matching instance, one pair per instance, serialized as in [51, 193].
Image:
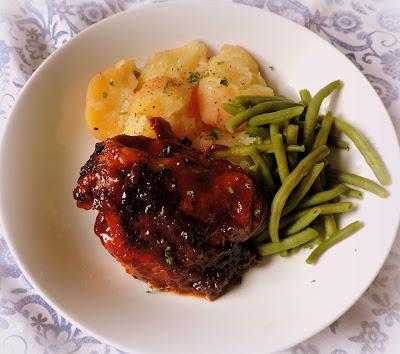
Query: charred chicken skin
[169, 214]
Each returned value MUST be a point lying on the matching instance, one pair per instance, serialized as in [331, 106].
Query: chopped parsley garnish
[231, 190]
[105, 94]
[214, 133]
[193, 77]
[111, 82]
[247, 185]
[186, 141]
[257, 212]
[168, 256]
[220, 62]
[136, 73]
[123, 113]
[150, 290]
[190, 193]
[166, 151]
[224, 81]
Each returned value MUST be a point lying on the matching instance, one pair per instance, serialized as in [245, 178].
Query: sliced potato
[231, 72]
[174, 100]
[237, 66]
[177, 63]
[108, 98]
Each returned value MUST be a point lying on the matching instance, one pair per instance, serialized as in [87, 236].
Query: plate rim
[60, 51]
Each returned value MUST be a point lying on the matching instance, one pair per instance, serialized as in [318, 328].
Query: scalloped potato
[108, 98]
[181, 85]
[231, 72]
[176, 63]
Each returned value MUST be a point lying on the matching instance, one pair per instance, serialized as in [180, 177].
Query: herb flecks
[168, 256]
[123, 113]
[231, 190]
[166, 151]
[105, 94]
[215, 133]
[193, 77]
[150, 290]
[190, 193]
[224, 82]
[257, 212]
[220, 62]
[111, 82]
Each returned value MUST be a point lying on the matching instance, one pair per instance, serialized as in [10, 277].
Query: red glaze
[160, 201]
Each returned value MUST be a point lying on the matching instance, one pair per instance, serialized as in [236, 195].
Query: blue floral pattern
[366, 31]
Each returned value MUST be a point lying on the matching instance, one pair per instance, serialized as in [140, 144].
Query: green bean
[291, 134]
[245, 150]
[289, 185]
[233, 151]
[280, 156]
[232, 109]
[323, 196]
[295, 148]
[258, 131]
[358, 181]
[264, 107]
[254, 100]
[323, 132]
[313, 109]
[353, 193]
[329, 208]
[330, 225]
[303, 188]
[291, 139]
[275, 117]
[265, 171]
[284, 253]
[303, 222]
[338, 144]
[290, 242]
[305, 97]
[334, 239]
[369, 153]
[274, 129]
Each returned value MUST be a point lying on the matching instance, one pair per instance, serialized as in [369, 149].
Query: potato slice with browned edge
[108, 98]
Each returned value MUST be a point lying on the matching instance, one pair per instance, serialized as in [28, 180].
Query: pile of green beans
[289, 161]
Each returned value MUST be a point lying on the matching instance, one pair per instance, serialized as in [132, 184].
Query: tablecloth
[366, 31]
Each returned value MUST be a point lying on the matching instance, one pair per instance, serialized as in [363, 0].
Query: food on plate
[308, 188]
[202, 169]
[108, 99]
[169, 214]
[231, 72]
[185, 86]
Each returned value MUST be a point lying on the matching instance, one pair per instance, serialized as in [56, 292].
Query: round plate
[280, 302]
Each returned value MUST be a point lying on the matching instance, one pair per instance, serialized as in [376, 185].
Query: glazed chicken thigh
[171, 215]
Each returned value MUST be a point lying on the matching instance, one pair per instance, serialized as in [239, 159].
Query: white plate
[280, 302]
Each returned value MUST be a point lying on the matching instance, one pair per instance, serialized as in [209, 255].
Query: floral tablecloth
[366, 31]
